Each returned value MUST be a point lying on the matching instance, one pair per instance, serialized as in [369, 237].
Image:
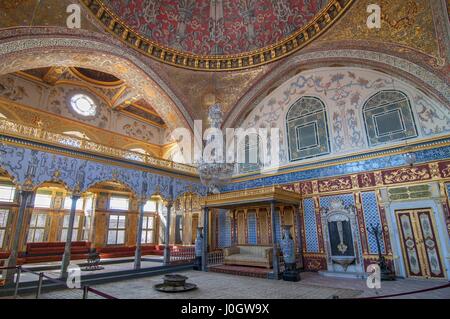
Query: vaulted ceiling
[106, 86]
[174, 38]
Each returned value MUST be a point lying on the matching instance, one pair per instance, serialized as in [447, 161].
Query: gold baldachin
[299, 39]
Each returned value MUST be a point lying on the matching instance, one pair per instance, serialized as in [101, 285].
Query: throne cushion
[257, 256]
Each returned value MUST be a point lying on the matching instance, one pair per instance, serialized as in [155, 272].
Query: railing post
[85, 292]
[41, 279]
[16, 290]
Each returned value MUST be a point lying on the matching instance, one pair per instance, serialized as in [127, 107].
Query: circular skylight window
[83, 105]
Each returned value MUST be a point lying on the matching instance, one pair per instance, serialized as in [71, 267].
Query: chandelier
[216, 172]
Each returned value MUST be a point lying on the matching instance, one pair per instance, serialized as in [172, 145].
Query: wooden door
[420, 243]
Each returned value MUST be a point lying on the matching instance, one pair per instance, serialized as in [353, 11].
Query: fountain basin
[175, 283]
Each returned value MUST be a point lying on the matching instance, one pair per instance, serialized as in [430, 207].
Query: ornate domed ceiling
[206, 27]
[217, 34]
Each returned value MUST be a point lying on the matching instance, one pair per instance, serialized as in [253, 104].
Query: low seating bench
[256, 256]
[46, 252]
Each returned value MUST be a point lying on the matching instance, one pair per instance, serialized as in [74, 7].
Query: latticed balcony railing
[37, 134]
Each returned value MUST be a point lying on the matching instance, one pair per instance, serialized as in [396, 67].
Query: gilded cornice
[37, 138]
[28, 115]
[299, 39]
[381, 152]
[265, 194]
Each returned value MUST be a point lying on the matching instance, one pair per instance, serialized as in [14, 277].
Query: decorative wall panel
[388, 118]
[277, 225]
[363, 168]
[312, 244]
[344, 91]
[307, 129]
[252, 229]
[224, 229]
[372, 217]
[33, 168]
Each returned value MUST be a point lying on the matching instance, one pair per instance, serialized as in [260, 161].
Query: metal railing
[182, 255]
[82, 291]
[14, 129]
[215, 258]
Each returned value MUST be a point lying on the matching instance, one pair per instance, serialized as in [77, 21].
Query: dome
[216, 27]
[215, 35]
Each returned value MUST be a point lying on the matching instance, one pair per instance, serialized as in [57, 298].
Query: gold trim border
[302, 37]
[398, 149]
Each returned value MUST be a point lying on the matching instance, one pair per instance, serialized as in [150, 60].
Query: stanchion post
[85, 292]
[16, 290]
[41, 279]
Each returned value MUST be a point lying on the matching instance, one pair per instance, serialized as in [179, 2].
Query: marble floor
[223, 286]
[48, 268]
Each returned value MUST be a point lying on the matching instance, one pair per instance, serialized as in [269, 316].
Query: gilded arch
[23, 48]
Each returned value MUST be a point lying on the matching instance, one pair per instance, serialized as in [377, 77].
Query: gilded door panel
[194, 228]
[409, 244]
[420, 244]
[264, 228]
[430, 245]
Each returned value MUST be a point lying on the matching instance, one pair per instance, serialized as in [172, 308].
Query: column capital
[76, 196]
[142, 200]
[27, 187]
[168, 203]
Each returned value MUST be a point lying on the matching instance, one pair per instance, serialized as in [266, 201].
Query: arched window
[307, 129]
[388, 117]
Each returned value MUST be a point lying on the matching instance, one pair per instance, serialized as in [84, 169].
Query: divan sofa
[257, 256]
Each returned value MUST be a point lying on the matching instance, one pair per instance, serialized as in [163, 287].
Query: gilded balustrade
[37, 134]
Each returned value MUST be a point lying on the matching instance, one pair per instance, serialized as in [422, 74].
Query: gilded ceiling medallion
[217, 35]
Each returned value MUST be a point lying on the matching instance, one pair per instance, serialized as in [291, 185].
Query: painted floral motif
[344, 92]
[22, 164]
[10, 90]
[216, 26]
[434, 119]
[139, 131]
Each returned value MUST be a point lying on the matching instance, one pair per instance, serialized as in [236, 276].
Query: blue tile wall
[252, 229]
[277, 226]
[423, 156]
[448, 190]
[371, 216]
[224, 230]
[312, 244]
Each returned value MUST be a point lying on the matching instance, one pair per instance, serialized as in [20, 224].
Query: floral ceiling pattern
[216, 27]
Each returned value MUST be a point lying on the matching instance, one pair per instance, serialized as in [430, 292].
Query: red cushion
[4, 255]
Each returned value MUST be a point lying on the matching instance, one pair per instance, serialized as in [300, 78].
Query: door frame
[437, 213]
